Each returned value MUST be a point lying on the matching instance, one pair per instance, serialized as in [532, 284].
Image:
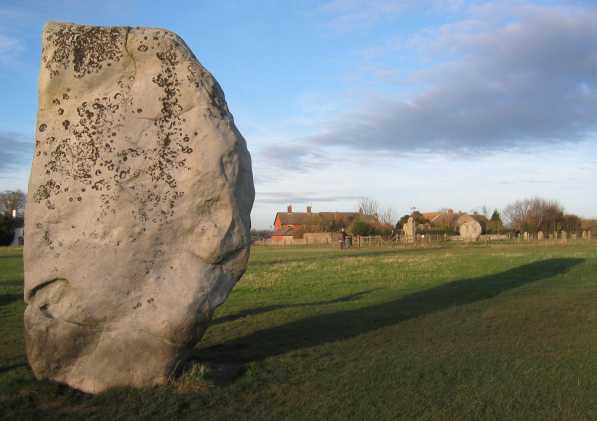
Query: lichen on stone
[86, 48]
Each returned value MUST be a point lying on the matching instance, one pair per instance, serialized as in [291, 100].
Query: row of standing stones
[469, 229]
[139, 205]
[556, 235]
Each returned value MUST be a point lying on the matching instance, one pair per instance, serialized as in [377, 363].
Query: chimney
[308, 209]
[289, 208]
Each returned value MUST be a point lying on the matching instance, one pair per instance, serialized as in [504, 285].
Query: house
[444, 218]
[292, 224]
[448, 219]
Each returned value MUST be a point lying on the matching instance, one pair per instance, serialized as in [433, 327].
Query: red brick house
[291, 224]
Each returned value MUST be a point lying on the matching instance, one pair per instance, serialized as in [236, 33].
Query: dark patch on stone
[87, 48]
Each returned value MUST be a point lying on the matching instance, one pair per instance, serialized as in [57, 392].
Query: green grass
[498, 332]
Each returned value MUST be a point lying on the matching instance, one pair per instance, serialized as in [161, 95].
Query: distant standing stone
[540, 236]
[138, 211]
[469, 228]
[410, 230]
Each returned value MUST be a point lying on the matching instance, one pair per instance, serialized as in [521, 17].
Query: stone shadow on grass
[5, 368]
[265, 309]
[318, 330]
[9, 298]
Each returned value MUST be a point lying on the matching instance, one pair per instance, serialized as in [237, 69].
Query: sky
[415, 104]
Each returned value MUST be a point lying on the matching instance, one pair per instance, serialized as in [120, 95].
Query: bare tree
[534, 214]
[12, 200]
[516, 214]
[368, 207]
[388, 216]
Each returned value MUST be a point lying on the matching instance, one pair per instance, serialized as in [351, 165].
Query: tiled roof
[430, 216]
[315, 218]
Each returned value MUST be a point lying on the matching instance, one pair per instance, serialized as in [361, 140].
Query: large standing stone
[540, 236]
[410, 230]
[469, 228]
[139, 207]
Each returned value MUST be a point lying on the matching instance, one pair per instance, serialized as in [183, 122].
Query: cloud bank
[496, 82]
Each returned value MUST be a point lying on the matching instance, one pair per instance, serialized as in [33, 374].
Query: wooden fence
[421, 240]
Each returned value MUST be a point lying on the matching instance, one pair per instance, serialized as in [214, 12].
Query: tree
[12, 200]
[516, 214]
[368, 207]
[387, 217]
[495, 224]
[571, 223]
[403, 220]
[534, 215]
[360, 227]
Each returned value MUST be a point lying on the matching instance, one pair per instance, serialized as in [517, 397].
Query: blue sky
[427, 104]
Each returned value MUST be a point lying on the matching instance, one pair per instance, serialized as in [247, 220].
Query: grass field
[498, 332]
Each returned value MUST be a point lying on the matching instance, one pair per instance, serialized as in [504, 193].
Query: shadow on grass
[5, 368]
[318, 330]
[11, 284]
[265, 309]
[9, 298]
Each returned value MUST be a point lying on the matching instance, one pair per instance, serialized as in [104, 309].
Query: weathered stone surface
[469, 228]
[410, 230]
[540, 236]
[139, 205]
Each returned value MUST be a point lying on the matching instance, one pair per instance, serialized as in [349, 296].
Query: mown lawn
[498, 332]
